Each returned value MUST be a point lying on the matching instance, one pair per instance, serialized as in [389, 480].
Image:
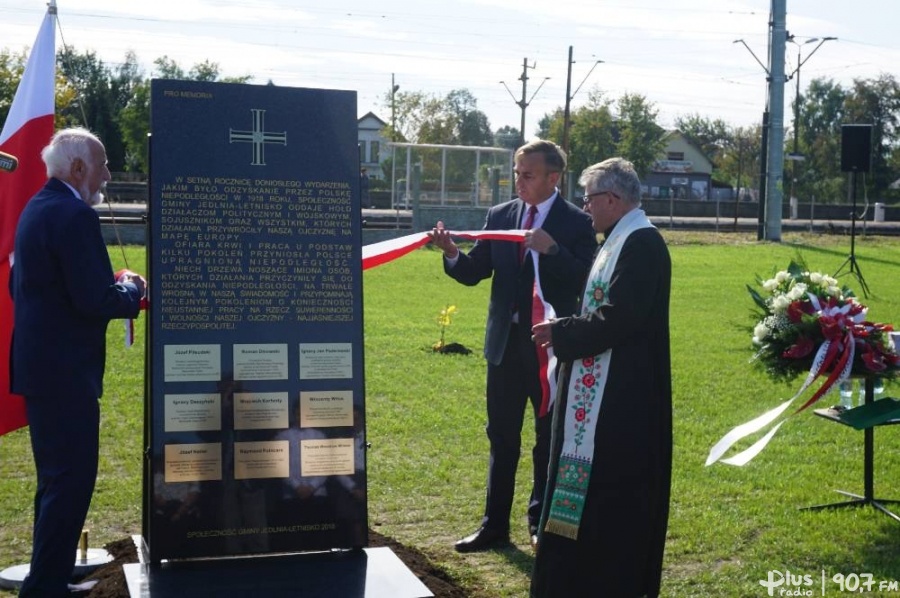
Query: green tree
[406, 108]
[166, 68]
[640, 140]
[12, 66]
[711, 136]
[738, 160]
[821, 113]
[134, 122]
[453, 119]
[134, 116]
[550, 126]
[823, 110]
[506, 136]
[472, 125]
[877, 102]
[592, 133]
[99, 94]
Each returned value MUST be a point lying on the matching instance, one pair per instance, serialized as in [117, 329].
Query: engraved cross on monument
[258, 137]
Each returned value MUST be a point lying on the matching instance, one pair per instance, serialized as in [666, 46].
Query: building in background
[373, 146]
[684, 173]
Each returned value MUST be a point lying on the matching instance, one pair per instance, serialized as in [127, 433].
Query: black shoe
[533, 532]
[482, 539]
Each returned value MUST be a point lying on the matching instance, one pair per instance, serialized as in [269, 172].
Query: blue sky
[680, 55]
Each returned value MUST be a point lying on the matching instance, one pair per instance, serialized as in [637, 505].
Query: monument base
[366, 573]
[12, 577]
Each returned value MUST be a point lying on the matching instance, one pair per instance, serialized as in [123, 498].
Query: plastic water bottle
[877, 390]
[846, 389]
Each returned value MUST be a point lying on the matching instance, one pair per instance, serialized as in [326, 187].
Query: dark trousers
[510, 386]
[65, 441]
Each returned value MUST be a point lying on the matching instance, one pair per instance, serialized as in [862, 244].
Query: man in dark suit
[562, 236]
[64, 294]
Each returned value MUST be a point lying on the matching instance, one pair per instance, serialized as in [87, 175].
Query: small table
[865, 417]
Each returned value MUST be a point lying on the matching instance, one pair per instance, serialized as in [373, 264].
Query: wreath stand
[865, 417]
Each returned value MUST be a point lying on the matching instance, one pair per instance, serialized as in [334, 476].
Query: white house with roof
[684, 173]
[373, 146]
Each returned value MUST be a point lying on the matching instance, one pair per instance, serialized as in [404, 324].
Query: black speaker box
[856, 148]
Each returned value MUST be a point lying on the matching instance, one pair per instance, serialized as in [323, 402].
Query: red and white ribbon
[121, 275]
[541, 311]
[835, 356]
[383, 252]
[377, 254]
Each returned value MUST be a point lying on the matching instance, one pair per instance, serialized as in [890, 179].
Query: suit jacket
[64, 295]
[562, 274]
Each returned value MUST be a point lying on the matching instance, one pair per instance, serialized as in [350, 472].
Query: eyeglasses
[586, 199]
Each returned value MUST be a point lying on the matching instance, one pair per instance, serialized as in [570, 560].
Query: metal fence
[449, 175]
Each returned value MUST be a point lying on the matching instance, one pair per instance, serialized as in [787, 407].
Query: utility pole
[795, 156]
[523, 104]
[569, 97]
[775, 166]
[796, 72]
[394, 88]
[565, 139]
[763, 168]
[764, 149]
[737, 196]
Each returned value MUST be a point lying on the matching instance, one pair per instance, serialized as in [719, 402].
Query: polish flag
[28, 128]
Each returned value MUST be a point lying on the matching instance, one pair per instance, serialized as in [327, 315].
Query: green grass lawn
[426, 470]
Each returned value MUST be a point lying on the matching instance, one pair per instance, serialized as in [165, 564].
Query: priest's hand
[542, 334]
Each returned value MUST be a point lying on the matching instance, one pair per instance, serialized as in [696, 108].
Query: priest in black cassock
[603, 526]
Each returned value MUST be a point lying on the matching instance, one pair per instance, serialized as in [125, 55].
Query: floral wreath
[805, 322]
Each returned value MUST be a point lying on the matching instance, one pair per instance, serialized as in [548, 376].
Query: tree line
[114, 102]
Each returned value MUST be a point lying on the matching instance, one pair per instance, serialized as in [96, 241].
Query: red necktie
[529, 222]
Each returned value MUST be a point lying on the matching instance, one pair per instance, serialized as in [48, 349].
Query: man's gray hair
[616, 175]
[65, 146]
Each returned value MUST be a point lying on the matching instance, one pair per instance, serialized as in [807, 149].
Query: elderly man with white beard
[64, 295]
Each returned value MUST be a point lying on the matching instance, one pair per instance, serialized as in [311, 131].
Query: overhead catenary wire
[84, 121]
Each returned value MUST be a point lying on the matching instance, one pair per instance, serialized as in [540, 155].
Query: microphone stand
[850, 262]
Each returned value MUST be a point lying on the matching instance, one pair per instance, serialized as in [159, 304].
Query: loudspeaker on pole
[856, 148]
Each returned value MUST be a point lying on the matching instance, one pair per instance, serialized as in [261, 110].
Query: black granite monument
[255, 417]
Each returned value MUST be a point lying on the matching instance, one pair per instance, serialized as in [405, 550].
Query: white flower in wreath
[797, 291]
[770, 285]
[760, 332]
[780, 304]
